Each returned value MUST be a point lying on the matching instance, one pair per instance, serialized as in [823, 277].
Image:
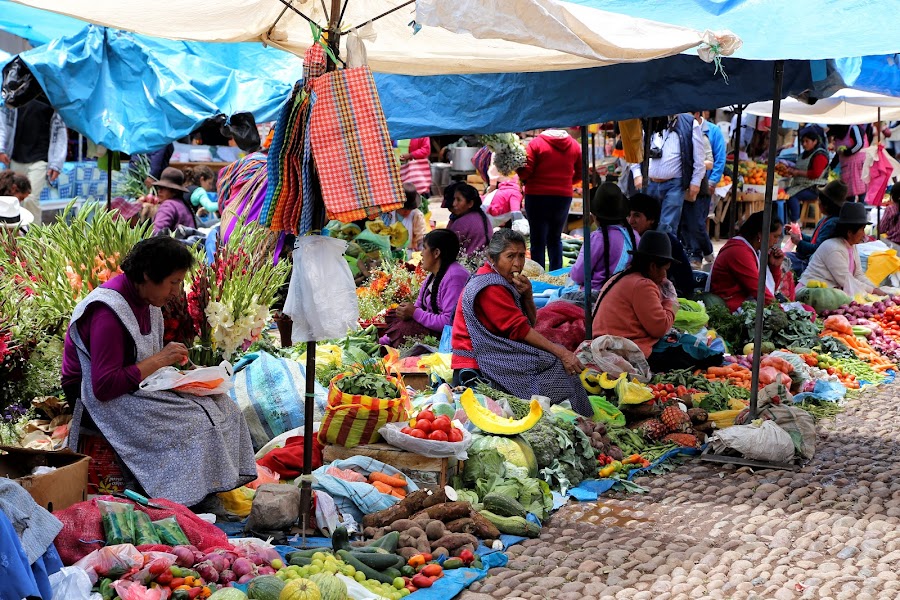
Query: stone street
[831, 530]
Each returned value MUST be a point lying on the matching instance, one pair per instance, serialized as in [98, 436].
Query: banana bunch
[396, 232]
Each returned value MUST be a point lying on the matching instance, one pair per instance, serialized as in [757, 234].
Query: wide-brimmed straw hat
[655, 244]
[12, 214]
[171, 178]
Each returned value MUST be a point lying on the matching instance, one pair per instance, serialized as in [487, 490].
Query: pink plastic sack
[206, 381]
[118, 559]
[130, 590]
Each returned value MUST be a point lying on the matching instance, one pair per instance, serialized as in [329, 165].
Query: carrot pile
[862, 349]
[394, 485]
[734, 374]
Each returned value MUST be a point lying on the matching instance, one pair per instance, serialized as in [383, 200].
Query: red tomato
[418, 433]
[424, 425]
[455, 435]
[442, 423]
[406, 430]
[670, 387]
[438, 436]
[427, 415]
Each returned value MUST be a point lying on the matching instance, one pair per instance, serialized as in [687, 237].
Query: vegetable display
[489, 422]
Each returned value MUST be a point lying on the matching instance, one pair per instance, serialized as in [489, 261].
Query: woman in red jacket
[414, 165]
[553, 166]
[735, 272]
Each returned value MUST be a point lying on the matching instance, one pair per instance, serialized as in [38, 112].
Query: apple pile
[428, 426]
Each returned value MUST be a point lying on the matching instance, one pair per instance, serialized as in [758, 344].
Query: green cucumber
[368, 571]
[369, 550]
[453, 563]
[300, 561]
[340, 538]
[388, 541]
[392, 573]
[308, 552]
[377, 561]
[504, 506]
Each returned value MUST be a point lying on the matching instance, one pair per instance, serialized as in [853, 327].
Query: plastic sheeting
[846, 107]
[493, 103]
[35, 25]
[393, 43]
[135, 94]
[778, 29]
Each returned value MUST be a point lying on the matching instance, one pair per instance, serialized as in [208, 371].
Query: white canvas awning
[544, 35]
[846, 107]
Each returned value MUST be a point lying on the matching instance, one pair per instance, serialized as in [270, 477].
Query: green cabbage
[513, 449]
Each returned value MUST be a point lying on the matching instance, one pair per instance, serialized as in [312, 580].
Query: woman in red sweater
[494, 337]
[639, 303]
[553, 166]
[808, 174]
[735, 272]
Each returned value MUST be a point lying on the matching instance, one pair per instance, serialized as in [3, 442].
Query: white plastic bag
[321, 298]
[767, 442]
[430, 448]
[614, 355]
[206, 381]
[72, 583]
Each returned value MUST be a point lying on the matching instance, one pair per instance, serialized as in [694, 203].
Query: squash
[607, 384]
[513, 525]
[606, 412]
[330, 587]
[504, 506]
[265, 587]
[300, 589]
[488, 422]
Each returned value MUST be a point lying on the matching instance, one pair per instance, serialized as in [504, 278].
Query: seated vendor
[613, 241]
[836, 262]
[640, 303]
[831, 198]
[644, 216]
[469, 222]
[494, 339]
[114, 342]
[174, 209]
[735, 272]
[438, 296]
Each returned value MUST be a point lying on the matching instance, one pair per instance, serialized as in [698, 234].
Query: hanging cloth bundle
[331, 139]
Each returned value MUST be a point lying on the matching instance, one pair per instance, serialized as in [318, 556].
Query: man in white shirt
[676, 168]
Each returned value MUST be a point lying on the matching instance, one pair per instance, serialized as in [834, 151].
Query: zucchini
[392, 573]
[300, 561]
[377, 561]
[368, 571]
[513, 525]
[388, 542]
[308, 552]
[369, 550]
[453, 563]
[340, 538]
[504, 506]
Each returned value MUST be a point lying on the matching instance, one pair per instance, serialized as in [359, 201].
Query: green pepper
[106, 589]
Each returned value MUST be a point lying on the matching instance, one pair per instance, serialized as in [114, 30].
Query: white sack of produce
[430, 448]
[767, 442]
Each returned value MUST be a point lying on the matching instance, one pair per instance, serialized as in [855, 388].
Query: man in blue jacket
[694, 229]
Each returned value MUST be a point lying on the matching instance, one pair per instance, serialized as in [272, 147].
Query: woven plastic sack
[767, 442]
[431, 448]
[353, 419]
[691, 316]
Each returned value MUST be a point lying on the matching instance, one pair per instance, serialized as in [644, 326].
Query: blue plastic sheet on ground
[456, 580]
[311, 542]
[591, 489]
[510, 540]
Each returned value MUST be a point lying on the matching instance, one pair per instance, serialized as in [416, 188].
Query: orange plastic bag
[354, 420]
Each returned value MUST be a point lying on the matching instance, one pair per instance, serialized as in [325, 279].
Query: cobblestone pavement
[831, 530]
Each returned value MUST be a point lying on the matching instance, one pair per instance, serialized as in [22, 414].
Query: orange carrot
[391, 480]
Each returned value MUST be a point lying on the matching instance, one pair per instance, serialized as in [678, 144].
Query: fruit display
[668, 391]
[726, 180]
[437, 427]
[754, 174]
[782, 195]
[782, 169]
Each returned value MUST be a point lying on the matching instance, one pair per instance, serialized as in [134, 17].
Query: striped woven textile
[351, 147]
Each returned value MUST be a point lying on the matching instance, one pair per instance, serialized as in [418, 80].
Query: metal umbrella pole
[878, 206]
[585, 215]
[761, 284]
[734, 168]
[645, 162]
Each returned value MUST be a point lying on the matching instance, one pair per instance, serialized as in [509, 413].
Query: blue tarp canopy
[134, 93]
[36, 25]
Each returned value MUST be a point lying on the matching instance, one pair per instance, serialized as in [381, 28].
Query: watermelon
[266, 587]
[228, 594]
[330, 587]
[300, 589]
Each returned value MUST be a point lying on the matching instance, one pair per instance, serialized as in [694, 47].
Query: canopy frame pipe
[764, 243]
[586, 225]
[736, 145]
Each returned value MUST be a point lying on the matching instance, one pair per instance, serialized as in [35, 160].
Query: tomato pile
[668, 391]
[427, 426]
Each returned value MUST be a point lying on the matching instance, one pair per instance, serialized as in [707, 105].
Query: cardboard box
[429, 473]
[60, 489]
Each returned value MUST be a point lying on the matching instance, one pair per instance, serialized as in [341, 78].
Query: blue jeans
[694, 231]
[793, 203]
[547, 215]
[671, 200]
